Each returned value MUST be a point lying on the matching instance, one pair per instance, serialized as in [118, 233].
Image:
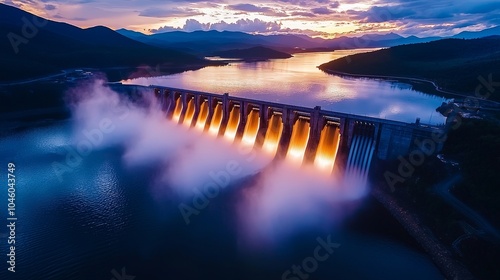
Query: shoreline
[409, 80]
[152, 70]
[436, 250]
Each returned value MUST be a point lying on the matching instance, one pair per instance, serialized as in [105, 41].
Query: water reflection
[298, 81]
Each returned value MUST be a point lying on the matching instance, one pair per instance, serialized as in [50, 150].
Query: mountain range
[207, 42]
[253, 54]
[35, 46]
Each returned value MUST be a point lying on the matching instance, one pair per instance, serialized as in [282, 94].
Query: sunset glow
[323, 18]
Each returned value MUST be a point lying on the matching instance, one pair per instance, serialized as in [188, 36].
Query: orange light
[216, 120]
[251, 128]
[299, 139]
[177, 110]
[202, 116]
[327, 147]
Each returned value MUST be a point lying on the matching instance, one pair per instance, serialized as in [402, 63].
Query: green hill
[454, 64]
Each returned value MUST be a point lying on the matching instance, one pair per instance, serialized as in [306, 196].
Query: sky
[324, 18]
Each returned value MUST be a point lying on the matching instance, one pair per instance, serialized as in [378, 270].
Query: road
[64, 72]
[407, 78]
[443, 190]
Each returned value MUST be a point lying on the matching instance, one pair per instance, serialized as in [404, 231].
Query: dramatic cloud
[257, 9]
[174, 12]
[326, 17]
[308, 3]
[322, 11]
[335, 4]
[50, 7]
[255, 26]
[244, 25]
[303, 14]
[248, 8]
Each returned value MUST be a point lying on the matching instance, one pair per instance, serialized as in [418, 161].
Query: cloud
[248, 8]
[50, 7]
[309, 3]
[190, 26]
[380, 14]
[257, 9]
[243, 25]
[303, 14]
[335, 4]
[247, 25]
[255, 26]
[174, 12]
[425, 17]
[408, 17]
[419, 10]
[74, 18]
[322, 11]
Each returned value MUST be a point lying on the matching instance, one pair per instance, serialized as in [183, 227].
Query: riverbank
[113, 74]
[416, 82]
[438, 252]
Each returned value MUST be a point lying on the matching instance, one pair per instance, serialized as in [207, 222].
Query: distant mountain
[375, 41]
[206, 42]
[452, 63]
[382, 37]
[254, 53]
[495, 31]
[56, 46]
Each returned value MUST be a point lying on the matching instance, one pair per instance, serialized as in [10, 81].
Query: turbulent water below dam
[117, 188]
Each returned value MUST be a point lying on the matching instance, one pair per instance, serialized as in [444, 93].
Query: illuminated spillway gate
[279, 130]
[330, 141]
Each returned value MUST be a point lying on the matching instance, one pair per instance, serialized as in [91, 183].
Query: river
[105, 216]
[99, 195]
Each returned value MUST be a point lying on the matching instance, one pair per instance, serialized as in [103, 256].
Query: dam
[329, 141]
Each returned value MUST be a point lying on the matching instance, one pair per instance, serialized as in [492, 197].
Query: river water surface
[111, 212]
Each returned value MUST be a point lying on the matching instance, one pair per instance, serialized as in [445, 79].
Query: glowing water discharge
[326, 152]
[188, 117]
[216, 119]
[251, 127]
[178, 109]
[298, 141]
[328, 147]
[279, 199]
[203, 115]
[273, 134]
[233, 123]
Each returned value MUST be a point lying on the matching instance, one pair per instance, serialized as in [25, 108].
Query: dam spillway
[327, 140]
